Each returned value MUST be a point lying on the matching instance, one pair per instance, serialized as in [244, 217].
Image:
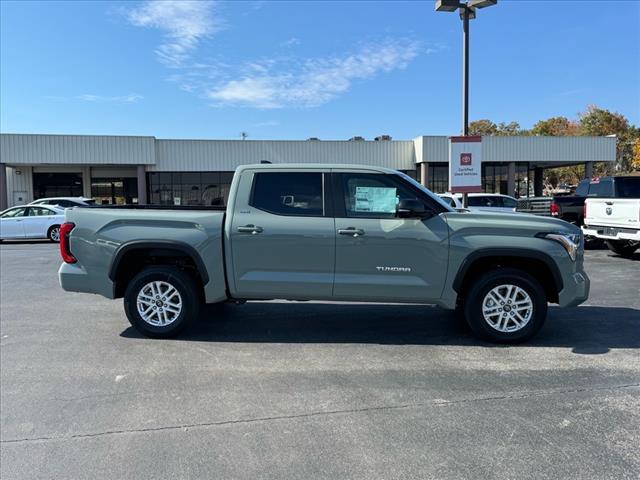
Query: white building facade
[130, 169]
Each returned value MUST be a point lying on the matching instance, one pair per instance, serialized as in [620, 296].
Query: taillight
[65, 230]
[584, 211]
[554, 209]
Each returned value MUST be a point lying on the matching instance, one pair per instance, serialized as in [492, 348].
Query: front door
[282, 238]
[381, 257]
[12, 223]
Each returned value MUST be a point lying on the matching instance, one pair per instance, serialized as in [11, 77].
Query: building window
[438, 177]
[189, 188]
[114, 190]
[57, 185]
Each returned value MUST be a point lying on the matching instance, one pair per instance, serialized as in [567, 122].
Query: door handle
[609, 203]
[252, 229]
[354, 232]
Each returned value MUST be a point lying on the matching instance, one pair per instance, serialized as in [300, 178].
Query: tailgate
[615, 212]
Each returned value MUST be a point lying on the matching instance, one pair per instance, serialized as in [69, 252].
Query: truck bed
[104, 232]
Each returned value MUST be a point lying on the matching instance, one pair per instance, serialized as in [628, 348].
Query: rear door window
[508, 202]
[288, 193]
[40, 212]
[483, 201]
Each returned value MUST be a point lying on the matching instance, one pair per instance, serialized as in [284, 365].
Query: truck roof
[314, 166]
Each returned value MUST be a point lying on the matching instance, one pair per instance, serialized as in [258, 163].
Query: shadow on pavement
[587, 330]
[27, 242]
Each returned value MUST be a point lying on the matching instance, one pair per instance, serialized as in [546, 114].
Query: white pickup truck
[616, 219]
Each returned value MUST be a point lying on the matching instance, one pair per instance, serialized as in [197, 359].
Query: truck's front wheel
[505, 305]
[161, 301]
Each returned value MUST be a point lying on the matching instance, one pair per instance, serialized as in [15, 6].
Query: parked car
[616, 220]
[323, 232]
[31, 221]
[483, 202]
[65, 202]
[570, 208]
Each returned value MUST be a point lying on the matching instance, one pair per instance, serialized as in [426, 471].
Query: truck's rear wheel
[161, 301]
[506, 305]
[624, 248]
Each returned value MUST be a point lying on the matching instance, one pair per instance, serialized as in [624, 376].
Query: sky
[294, 70]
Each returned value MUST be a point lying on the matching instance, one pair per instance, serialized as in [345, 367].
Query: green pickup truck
[325, 232]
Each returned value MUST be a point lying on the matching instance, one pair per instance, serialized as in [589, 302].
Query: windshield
[432, 195]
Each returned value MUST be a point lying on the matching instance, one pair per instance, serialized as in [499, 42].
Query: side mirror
[412, 208]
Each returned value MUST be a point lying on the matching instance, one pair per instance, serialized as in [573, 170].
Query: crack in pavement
[431, 403]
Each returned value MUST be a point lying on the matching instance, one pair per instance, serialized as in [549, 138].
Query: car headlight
[572, 242]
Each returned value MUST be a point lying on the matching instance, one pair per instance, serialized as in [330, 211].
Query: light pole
[467, 12]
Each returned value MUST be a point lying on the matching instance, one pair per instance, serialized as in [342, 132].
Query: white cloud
[290, 42]
[184, 22]
[129, 98]
[312, 82]
[268, 123]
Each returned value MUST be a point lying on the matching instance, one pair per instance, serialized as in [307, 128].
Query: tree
[599, 122]
[483, 127]
[556, 127]
[487, 127]
[510, 129]
[635, 161]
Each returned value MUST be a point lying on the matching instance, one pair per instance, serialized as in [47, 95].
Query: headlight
[572, 242]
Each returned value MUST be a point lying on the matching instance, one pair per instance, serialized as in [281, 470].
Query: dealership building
[131, 169]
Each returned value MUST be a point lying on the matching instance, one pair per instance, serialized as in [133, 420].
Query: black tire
[182, 282]
[624, 248]
[53, 234]
[481, 286]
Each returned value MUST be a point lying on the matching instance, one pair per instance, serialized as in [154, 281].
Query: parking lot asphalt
[325, 390]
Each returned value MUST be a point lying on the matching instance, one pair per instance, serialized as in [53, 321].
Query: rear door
[37, 222]
[282, 235]
[380, 257]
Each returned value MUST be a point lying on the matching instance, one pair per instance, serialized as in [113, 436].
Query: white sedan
[31, 221]
[483, 202]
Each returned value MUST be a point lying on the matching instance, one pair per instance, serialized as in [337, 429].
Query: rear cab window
[627, 187]
[601, 188]
[288, 193]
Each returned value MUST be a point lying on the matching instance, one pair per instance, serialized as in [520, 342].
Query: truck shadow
[586, 330]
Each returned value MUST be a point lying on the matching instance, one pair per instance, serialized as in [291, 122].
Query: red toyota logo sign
[465, 159]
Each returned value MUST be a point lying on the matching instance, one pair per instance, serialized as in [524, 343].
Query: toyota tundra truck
[325, 233]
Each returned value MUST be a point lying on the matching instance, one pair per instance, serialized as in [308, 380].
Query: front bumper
[575, 290]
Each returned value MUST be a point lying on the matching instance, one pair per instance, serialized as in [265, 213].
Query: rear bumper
[74, 278]
[620, 233]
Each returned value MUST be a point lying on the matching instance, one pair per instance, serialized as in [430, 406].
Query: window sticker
[376, 199]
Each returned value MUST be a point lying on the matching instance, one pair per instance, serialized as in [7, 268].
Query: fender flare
[166, 244]
[507, 252]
